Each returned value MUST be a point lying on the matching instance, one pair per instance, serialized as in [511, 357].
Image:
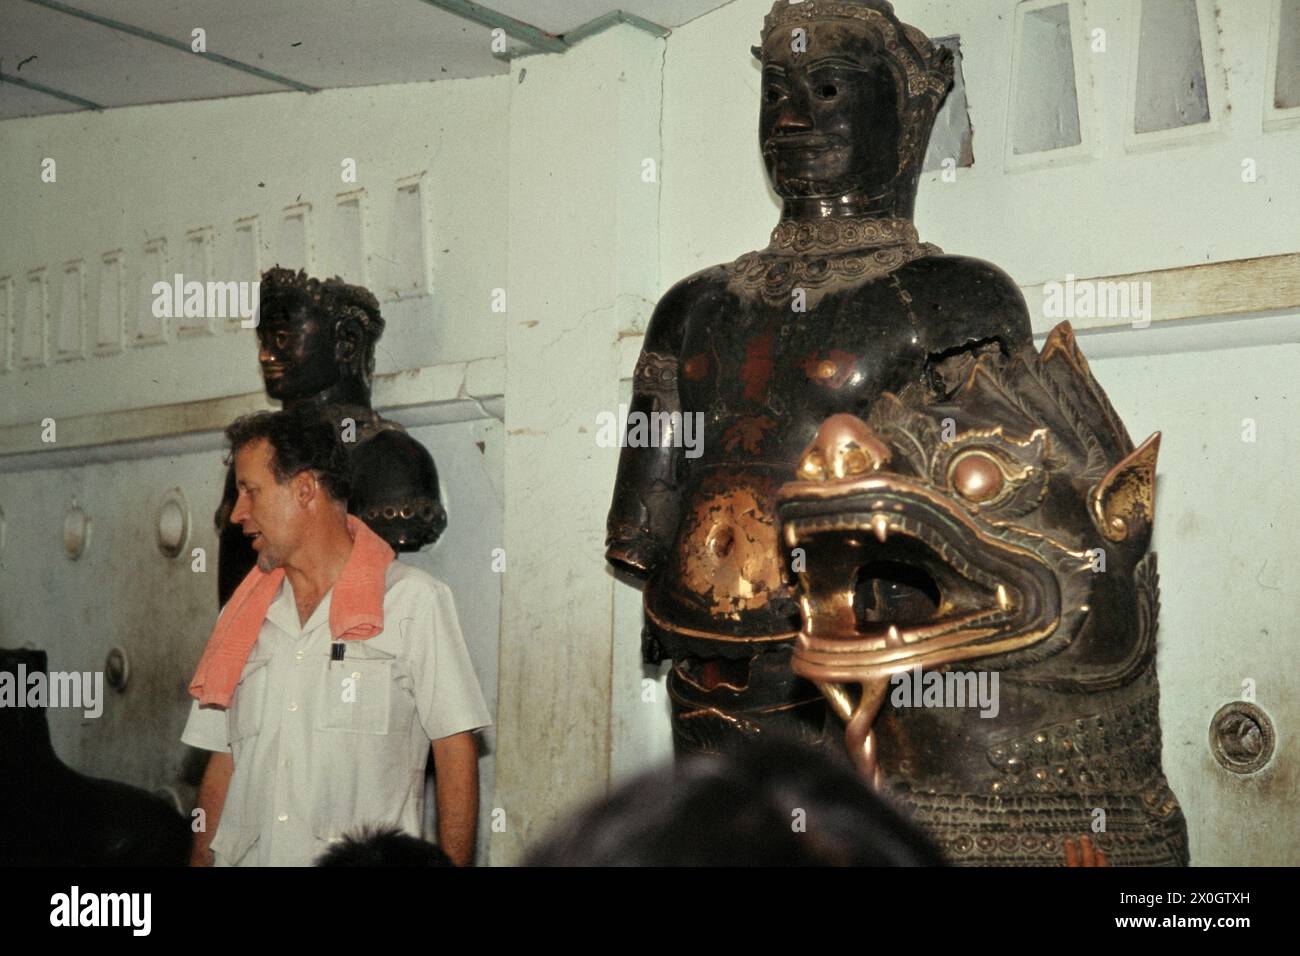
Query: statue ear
[757, 51]
[349, 341]
[1123, 504]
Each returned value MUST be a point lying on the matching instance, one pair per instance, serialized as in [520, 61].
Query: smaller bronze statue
[51, 815]
[992, 523]
[317, 348]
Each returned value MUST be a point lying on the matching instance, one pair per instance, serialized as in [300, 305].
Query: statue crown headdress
[333, 296]
[338, 300]
[925, 67]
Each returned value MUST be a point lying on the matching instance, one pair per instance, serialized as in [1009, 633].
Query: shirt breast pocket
[249, 701]
[356, 695]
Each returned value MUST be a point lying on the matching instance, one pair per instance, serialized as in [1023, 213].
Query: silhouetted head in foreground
[386, 847]
[772, 804]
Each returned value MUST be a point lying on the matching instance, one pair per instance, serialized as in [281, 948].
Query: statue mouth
[895, 576]
[801, 142]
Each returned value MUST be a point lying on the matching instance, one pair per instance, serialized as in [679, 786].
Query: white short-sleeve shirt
[322, 747]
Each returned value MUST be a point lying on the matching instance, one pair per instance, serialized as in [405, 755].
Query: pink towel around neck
[356, 613]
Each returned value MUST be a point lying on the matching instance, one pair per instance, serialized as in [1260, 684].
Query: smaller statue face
[297, 350]
[829, 123]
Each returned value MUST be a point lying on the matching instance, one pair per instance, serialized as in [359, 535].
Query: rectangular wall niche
[35, 313]
[1171, 68]
[151, 329]
[952, 131]
[347, 246]
[6, 323]
[72, 308]
[1046, 97]
[245, 263]
[198, 268]
[295, 243]
[108, 329]
[1286, 87]
[409, 274]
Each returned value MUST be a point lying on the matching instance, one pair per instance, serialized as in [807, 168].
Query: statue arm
[646, 505]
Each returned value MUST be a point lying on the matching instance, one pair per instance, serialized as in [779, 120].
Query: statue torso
[764, 376]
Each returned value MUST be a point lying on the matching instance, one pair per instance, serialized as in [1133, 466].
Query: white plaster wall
[128, 176]
[583, 229]
[122, 591]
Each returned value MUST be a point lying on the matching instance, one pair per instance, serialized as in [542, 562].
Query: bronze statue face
[829, 123]
[297, 350]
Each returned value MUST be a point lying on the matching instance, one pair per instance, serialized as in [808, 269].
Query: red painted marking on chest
[757, 370]
[696, 367]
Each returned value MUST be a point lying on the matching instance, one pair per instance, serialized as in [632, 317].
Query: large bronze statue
[992, 521]
[844, 303]
[317, 348]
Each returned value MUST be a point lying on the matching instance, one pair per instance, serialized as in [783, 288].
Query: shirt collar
[283, 612]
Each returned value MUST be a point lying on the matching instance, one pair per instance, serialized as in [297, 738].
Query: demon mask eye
[977, 476]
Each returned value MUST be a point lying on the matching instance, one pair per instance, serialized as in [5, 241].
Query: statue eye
[281, 340]
[772, 94]
[977, 477]
[827, 91]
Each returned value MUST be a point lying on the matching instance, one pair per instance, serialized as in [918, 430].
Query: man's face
[267, 510]
[296, 350]
[829, 122]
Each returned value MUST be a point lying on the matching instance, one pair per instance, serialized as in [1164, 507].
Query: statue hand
[1083, 853]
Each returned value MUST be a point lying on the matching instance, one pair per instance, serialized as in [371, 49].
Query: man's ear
[306, 486]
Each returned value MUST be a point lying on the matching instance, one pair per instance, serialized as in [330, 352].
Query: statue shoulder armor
[960, 299]
[395, 489]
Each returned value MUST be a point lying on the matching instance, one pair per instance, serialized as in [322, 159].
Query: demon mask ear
[1123, 503]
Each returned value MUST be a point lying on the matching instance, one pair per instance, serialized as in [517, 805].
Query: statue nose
[845, 447]
[793, 120]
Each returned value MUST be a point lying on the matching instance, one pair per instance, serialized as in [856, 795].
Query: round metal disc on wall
[173, 523]
[76, 531]
[117, 669]
[1242, 737]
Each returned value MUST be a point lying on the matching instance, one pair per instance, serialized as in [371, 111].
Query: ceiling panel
[561, 16]
[324, 43]
[16, 101]
[318, 44]
[105, 66]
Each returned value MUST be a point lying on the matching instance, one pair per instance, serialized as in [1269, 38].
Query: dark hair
[301, 440]
[776, 803]
[383, 847]
[336, 300]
